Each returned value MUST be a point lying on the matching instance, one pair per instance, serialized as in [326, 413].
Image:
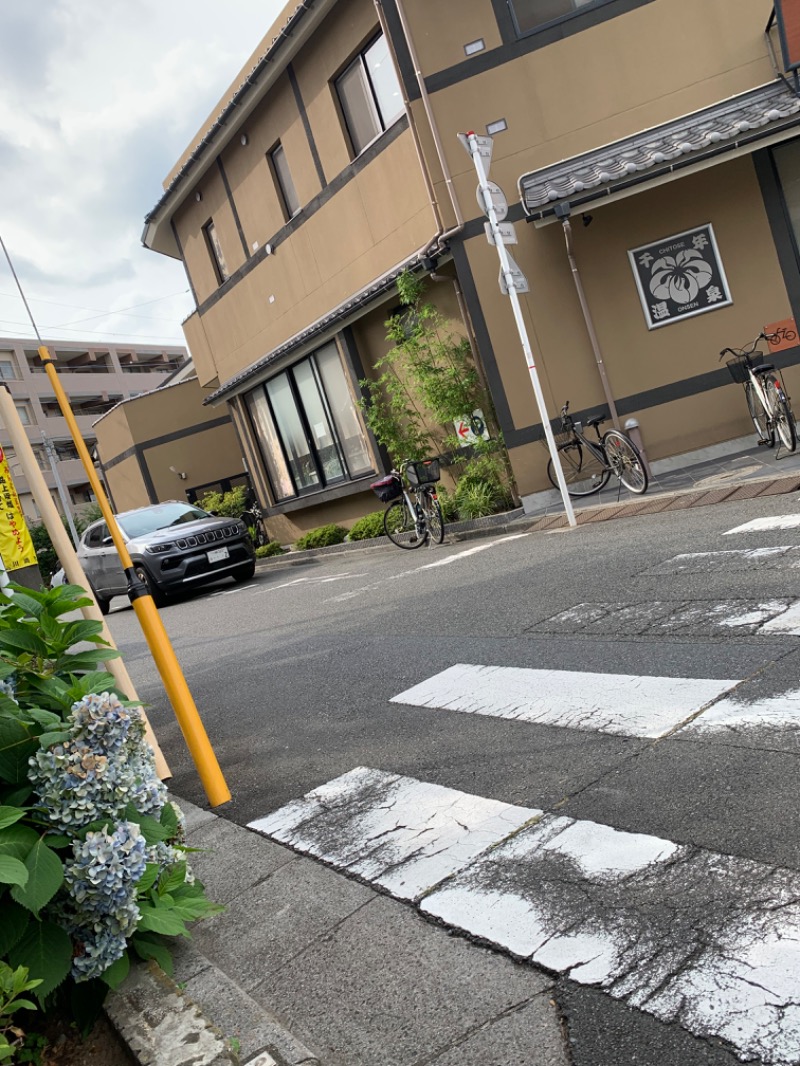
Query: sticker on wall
[680, 276]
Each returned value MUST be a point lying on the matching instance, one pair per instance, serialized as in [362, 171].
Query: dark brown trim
[513, 46]
[488, 359]
[144, 470]
[643, 401]
[314, 499]
[167, 438]
[400, 48]
[780, 224]
[232, 203]
[183, 259]
[301, 107]
[311, 208]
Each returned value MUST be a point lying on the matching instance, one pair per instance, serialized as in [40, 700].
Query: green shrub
[476, 499]
[371, 525]
[448, 504]
[93, 853]
[321, 537]
[226, 504]
[272, 548]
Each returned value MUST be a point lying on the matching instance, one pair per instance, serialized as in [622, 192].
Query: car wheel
[245, 573]
[157, 595]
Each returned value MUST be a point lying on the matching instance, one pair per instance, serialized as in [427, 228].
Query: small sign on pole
[471, 429]
[512, 277]
[505, 230]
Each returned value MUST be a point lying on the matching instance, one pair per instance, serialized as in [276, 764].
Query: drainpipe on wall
[440, 237]
[587, 317]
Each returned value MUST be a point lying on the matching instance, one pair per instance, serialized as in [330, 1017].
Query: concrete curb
[517, 521]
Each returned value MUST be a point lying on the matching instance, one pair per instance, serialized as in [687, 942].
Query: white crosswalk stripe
[624, 704]
[660, 617]
[758, 525]
[707, 940]
[772, 558]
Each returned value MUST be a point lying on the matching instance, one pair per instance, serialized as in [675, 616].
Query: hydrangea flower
[100, 910]
[100, 769]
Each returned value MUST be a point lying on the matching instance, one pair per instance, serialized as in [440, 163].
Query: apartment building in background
[649, 153]
[95, 377]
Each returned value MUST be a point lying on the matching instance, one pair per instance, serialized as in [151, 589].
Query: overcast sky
[98, 99]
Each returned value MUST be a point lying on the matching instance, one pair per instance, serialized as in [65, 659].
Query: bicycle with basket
[764, 389]
[414, 515]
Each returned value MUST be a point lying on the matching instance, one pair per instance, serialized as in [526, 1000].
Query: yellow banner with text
[16, 546]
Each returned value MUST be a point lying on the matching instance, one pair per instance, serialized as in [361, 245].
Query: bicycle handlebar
[739, 352]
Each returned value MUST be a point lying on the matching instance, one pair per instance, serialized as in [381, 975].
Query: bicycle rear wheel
[758, 415]
[782, 417]
[434, 519]
[401, 526]
[626, 462]
[583, 471]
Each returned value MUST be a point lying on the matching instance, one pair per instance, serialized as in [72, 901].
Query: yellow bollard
[159, 643]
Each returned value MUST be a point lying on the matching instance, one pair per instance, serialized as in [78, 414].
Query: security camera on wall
[180, 473]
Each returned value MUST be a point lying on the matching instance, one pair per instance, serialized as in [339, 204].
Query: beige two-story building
[648, 152]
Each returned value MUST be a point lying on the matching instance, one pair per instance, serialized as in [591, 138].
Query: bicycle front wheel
[583, 471]
[758, 415]
[626, 462]
[782, 417]
[434, 519]
[401, 526]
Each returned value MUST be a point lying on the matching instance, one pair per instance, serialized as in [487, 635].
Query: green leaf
[46, 877]
[9, 815]
[152, 831]
[22, 640]
[84, 660]
[150, 948]
[46, 950]
[28, 604]
[169, 819]
[148, 878]
[14, 923]
[48, 740]
[13, 872]
[18, 840]
[46, 719]
[17, 744]
[58, 840]
[117, 971]
[75, 632]
[173, 878]
[16, 797]
[161, 920]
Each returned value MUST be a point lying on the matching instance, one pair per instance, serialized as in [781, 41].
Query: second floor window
[529, 15]
[369, 94]
[283, 181]
[215, 251]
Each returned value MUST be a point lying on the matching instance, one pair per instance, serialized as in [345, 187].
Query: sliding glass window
[530, 15]
[309, 428]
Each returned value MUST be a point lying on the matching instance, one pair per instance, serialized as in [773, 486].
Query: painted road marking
[449, 828]
[738, 559]
[707, 940]
[658, 617]
[446, 561]
[734, 714]
[624, 704]
[778, 521]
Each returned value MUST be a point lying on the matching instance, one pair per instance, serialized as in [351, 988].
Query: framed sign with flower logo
[680, 276]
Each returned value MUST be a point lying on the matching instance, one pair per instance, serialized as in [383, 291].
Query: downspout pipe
[587, 318]
[440, 237]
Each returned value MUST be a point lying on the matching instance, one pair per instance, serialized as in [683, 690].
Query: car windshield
[139, 523]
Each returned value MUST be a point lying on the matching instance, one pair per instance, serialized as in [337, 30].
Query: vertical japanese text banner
[16, 546]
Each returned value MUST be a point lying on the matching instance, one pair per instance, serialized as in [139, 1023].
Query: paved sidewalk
[307, 967]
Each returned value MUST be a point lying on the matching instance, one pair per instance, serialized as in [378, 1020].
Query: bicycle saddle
[595, 420]
[764, 368]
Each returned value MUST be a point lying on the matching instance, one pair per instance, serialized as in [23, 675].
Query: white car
[58, 578]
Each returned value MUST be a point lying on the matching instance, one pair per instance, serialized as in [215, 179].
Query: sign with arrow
[519, 283]
[471, 429]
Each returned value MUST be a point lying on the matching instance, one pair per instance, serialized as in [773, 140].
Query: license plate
[217, 555]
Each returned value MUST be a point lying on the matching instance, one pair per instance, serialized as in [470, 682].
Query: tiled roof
[738, 120]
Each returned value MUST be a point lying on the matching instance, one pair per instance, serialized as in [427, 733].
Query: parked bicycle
[414, 515]
[765, 392]
[588, 464]
[253, 518]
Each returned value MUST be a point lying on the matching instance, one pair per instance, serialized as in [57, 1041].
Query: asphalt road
[294, 677]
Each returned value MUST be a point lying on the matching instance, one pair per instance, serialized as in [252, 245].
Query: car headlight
[158, 549]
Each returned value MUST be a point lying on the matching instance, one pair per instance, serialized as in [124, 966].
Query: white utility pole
[62, 493]
[512, 282]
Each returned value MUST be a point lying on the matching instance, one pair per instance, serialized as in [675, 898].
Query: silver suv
[172, 545]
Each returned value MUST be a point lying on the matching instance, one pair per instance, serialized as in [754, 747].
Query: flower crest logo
[680, 277]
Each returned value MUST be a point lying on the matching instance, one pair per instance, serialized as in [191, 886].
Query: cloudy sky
[98, 99]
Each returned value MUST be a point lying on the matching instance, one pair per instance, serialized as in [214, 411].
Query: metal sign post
[512, 282]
